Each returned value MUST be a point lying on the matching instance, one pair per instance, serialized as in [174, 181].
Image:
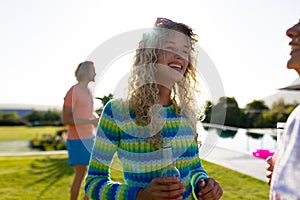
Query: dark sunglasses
[167, 22]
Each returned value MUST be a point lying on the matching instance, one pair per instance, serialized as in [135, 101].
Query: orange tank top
[82, 104]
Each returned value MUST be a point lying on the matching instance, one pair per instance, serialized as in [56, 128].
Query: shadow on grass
[49, 171]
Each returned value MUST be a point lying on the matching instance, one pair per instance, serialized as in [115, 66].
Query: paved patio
[241, 162]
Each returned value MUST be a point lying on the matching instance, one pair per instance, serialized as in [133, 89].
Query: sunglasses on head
[167, 22]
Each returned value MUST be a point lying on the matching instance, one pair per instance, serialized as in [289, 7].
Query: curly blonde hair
[143, 91]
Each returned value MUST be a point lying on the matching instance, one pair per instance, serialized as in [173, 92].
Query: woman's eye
[185, 52]
[170, 48]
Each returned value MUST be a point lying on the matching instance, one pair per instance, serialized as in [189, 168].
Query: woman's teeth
[295, 47]
[175, 66]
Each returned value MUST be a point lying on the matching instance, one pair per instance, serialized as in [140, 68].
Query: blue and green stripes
[141, 162]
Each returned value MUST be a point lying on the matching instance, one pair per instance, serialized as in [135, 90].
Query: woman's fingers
[211, 190]
[163, 188]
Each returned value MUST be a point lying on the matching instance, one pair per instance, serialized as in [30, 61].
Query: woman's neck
[164, 95]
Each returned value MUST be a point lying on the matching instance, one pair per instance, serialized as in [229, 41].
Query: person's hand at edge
[270, 167]
[210, 189]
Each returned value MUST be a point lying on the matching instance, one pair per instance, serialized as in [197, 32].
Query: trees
[255, 115]
[52, 117]
[279, 112]
[35, 117]
[49, 117]
[10, 119]
[226, 111]
[254, 111]
[10, 116]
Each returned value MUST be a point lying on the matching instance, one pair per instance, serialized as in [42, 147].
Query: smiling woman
[160, 109]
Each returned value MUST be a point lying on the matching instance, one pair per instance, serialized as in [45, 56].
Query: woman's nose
[293, 31]
[290, 33]
[181, 56]
[178, 56]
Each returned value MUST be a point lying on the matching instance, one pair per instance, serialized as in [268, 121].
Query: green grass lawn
[24, 132]
[236, 185]
[49, 177]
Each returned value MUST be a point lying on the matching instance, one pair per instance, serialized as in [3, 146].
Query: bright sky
[42, 42]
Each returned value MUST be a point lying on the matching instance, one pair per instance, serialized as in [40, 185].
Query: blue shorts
[79, 151]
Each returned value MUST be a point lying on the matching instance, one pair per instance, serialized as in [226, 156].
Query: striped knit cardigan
[141, 161]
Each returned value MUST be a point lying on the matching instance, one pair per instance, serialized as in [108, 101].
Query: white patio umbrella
[294, 86]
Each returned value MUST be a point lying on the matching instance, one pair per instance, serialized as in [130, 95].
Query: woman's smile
[176, 66]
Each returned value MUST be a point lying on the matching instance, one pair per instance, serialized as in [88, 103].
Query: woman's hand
[162, 188]
[210, 189]
[270, 167]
